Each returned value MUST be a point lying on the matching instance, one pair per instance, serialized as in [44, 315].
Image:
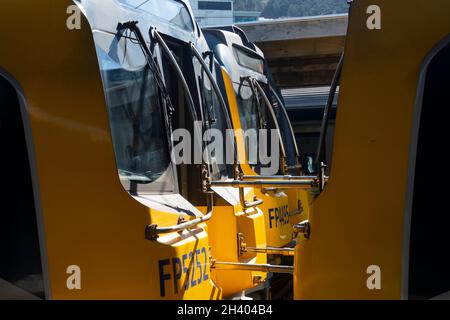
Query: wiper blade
[164, 96]
[132, 26]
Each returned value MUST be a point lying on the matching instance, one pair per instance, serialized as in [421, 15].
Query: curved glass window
[215, 117]
[285, 128]
[251, 123]
[248, 108]
[136, 117]
[247, 60]
[171, 11]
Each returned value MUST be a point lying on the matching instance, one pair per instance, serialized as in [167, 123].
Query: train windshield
[287, 134]
[136, 116]
[216, 122]
[248, 60]
[172, 11]
[253, 119]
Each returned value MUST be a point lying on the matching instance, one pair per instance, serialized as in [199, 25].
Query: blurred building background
[302, 42]
[221, 12]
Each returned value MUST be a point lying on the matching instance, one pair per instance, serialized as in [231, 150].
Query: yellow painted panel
[89, 220]
[278, 226]
[358, 221]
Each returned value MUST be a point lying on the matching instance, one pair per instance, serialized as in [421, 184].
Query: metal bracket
[206, 180]
[151, 232]
[303, 228]
[242, 249]
[242, 246]
[251, 267]
[247, 205]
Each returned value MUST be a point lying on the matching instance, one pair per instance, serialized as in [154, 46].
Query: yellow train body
[361, 221]
[86, 218]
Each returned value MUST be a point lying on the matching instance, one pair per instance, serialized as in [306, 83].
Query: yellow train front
[246, 89]
[96, 117]
[93, 204]
[379, 230]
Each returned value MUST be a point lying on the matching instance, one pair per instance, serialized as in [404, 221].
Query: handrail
[270, 250]
[268, 268]
[246, 204]
[285, 177]
[263, 184]
[152, 231]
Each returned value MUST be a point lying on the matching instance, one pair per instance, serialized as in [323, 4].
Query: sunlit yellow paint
[277, 236]
[89, 220]
[358, 221]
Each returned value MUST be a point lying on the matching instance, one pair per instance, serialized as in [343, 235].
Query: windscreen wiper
[164, 96]
[249, 80]
[165, 49]
[291, 129]
[216, 89]
[277, 127]
[153, 231]
[256, 87]
[321, 151]
[284, 180]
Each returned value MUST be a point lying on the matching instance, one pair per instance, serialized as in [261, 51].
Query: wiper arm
[164, 96]
[275, 121]
[255, 95]
[256, 87]
[132, 26]
[218, 94]
[321, 152]
[286, 115]
[154, 34]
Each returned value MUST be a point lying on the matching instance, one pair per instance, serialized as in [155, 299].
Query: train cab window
[215, 117]
[254, 117]
[429, 266]
[21, 272]
[250, 120]
[285, 129]
[172, 11]
[136, 117]
[247, 60]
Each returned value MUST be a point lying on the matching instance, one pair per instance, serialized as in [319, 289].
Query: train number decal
[193, 265]
[278, 216]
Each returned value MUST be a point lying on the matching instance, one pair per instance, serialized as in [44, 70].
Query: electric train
[379, 230]
[294, 166]
[247, 89]
[97, 207]
[100, 214]
[107, 212]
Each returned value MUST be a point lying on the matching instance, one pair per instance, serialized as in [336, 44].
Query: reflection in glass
[216, 120]
[136, 119]
[172, 11]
